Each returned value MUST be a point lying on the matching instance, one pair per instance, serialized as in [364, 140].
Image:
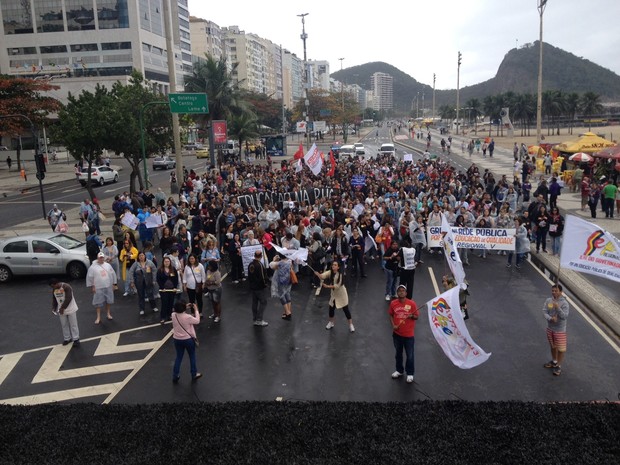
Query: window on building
[112, 14]
[84, 47]
[17, 18]
[53, 49]
[116, 46]
[80, 15]
[22, 51]
[48, 16]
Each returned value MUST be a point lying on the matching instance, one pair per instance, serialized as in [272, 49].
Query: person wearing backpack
[93, 245]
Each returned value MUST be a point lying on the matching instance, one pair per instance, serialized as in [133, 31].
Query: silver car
[164, 162]
[44, 253]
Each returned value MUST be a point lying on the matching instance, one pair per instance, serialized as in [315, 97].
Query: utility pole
[458, 73]
[284, 131]
[172, 79]
[304, 36]
[541, 10]
[433, 97]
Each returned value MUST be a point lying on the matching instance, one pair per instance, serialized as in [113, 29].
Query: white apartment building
[320, 69]
[81, 43]
[381, 85]
[207, 38]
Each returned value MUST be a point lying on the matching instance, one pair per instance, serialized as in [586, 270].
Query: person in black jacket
[356, 245]
[257, 278]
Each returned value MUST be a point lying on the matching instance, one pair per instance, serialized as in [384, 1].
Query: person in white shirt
[64, 305]
[194, 277]
[102, 279]
[250, 239]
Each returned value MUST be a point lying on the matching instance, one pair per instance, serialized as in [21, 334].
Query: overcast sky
[422, 38]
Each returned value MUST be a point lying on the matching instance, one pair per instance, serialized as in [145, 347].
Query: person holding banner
[522, 246]
[403, 316]
[406, 266]
[339, 298]
[555, 311]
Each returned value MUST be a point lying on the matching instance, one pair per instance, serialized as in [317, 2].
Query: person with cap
[64, 305]
[54, 216]
[403, 315]
[102, 279]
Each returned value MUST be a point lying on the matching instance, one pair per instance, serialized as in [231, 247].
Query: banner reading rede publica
[475, 238]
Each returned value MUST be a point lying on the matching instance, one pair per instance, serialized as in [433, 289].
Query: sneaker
[352, 328]
[197, 376]
[396, 375]
[508, 265]
[330, 325]
[260, 323]
[212, 316]
[175, 379]
[551, 364]
[236, 281]
[420, 261]
[387, 297]
[557, 370]
[518, 267]
[125, 294]
[155, 310]
[146, 299]
[64, 343]
[216, 319]
[141, 312]
[76, 343]
[410, 379]
[431, 252]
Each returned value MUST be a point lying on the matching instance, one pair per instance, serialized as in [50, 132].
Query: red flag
[300, 152]
[332, 160]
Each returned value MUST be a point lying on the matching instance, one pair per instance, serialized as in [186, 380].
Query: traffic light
[39, 162]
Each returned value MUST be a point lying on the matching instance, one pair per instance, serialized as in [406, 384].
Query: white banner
[300, 126]
[475, 238]
[448, 327]
[130, 221]
[319, 126]
[247, 255]
[451, 252]
[153, 221]
[313, 160]
[297, 255]
[408, 157]
[589, 249]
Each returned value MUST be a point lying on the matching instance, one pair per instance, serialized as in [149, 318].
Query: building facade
[80, 43]
[381, 85]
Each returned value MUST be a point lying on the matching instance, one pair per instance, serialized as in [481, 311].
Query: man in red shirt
[403, 315]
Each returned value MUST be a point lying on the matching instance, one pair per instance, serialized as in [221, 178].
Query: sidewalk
[569, 203]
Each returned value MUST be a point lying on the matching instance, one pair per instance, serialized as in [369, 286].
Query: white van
[232, 148]
[347, 151]
[387, 149]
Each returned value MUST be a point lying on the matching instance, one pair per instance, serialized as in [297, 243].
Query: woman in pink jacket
[184, 337]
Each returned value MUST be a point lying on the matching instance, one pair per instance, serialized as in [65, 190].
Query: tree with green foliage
[83, 126]
[474, 110]
[223, 94]
[524, 111]
[123, 135]
[590, 105]
[446, 112]
[22, 96]
[244, 128]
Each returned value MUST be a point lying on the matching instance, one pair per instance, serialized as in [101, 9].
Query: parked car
[164, 162]
[44, 253]
[359, 148]
[202, 153]
[3, 147]
[98, 175]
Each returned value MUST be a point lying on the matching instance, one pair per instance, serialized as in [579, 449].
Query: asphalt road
[129, 359]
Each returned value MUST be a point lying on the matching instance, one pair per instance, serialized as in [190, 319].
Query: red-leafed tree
[23, 96]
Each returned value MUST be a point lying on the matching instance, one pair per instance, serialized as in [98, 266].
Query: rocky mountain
[518, 73]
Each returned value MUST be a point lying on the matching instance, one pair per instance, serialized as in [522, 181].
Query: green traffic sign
[188, 103]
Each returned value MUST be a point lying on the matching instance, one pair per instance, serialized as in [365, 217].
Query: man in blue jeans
[390, 265]
[403, 316]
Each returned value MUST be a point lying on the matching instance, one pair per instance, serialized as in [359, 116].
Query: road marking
[71, 190]
[57, 367]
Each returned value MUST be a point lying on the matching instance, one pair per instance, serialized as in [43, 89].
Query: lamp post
[423, 105]
[417, 105]
[433, 97]
[341, 86]
[458, 72]
[541, 10]
[303, 37]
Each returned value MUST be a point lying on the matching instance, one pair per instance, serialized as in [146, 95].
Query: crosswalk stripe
[59, 396]
[7, 363]
[109, 345]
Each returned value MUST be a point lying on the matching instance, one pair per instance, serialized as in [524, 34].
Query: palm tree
[213, 78]
[244, 127]
[447, 112]
[572, 105]
[524, 109]
[590, 105]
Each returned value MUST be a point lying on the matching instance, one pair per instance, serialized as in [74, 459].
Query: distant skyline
[422, 39]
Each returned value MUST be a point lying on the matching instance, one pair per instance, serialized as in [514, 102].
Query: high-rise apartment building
[207, 38]
[81, 43]
[381, 84]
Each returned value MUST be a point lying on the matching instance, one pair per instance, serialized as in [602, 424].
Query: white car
[98, 175]
[45, 253]
[359, 148]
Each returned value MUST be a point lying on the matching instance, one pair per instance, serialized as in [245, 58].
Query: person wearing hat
[403, 316]
[102, 279]
[54, 216]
